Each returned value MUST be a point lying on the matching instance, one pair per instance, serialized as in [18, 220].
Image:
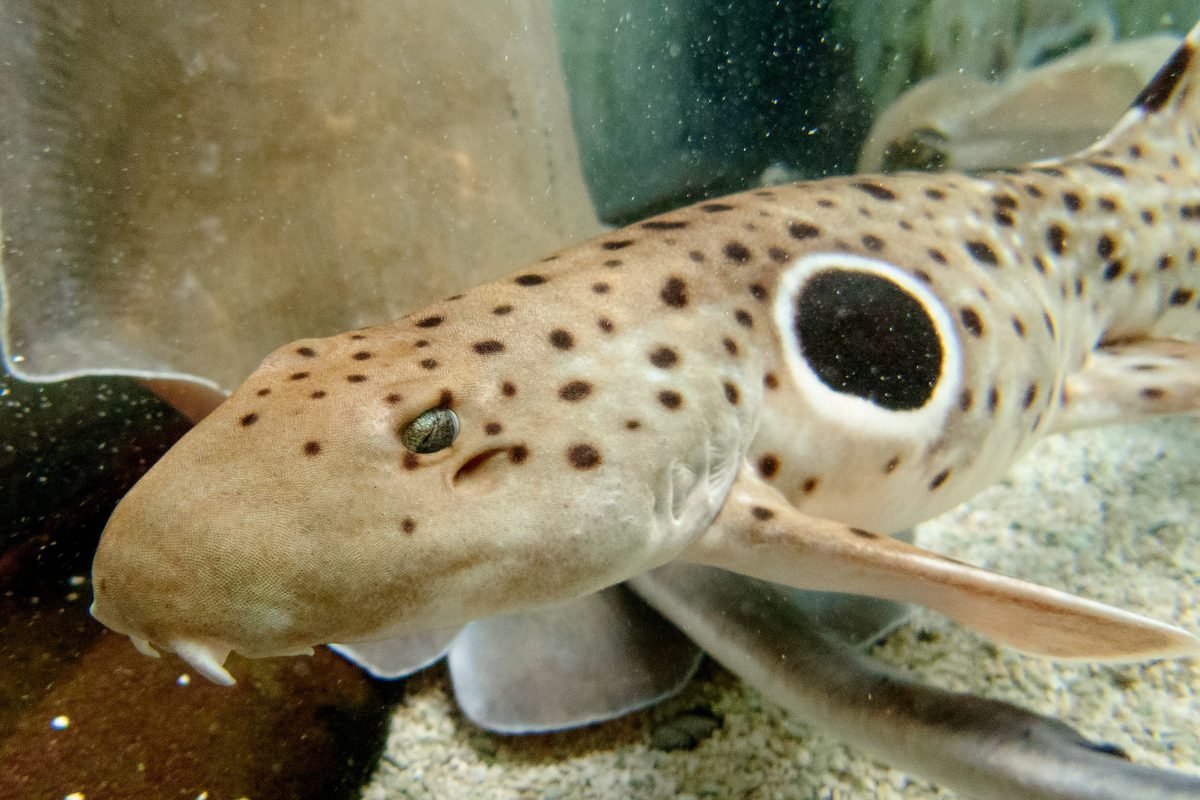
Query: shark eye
[431, 431]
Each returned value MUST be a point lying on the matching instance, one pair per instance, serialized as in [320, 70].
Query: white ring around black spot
[846, 406]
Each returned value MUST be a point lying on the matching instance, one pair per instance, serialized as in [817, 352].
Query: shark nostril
[474, 468]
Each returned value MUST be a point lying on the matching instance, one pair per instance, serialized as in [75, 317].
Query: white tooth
[143, 647]
[204, 658]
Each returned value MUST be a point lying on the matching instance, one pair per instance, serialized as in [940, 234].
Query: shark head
[485, 455]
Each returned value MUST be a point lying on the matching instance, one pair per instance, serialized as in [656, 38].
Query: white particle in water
[60, 723]
[184, 679]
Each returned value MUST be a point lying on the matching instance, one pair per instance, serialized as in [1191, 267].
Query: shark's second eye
[431, 431]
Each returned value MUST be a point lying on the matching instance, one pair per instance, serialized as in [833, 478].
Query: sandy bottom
[1113, 514]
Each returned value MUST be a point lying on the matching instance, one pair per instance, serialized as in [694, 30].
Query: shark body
[770, 382]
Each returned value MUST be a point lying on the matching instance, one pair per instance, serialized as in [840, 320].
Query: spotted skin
[766, 382]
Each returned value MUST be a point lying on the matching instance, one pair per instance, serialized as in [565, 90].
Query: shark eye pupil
[432, 430]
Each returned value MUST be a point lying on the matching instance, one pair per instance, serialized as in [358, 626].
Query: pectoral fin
[758, 533]
[399, 656]
[1132, 381]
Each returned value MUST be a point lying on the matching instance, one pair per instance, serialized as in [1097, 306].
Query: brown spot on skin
[1072, 201]
[768, 466]
[263, 392]
[411, 461]
[430, 322]
[770, 380]
[731, 393]
[1003, 218]
[493, 428]
[500, 311]
[1049, 324]
[863, 534]
[429, 363]
[620, 244]
[715, 208]
[761, 513]
[1107, 204]
[674, 292]
[758, 291]
[445, 399]
[1104, 168]
[357, 336]
[664, 225]
[421, 343]
[1005, 201]
[600, 287]
[803, 230]
[993, 399]
[1181, 297]
[1018, 327]
[670, 399]
[356, 378]
[935, 194]
[1056, 239]
[1039, 264]
[1113, 270]
[1165, 263]
[891, 465]
[613, 263]
[393, 398]
[971, 321]
[299, 376]
[632, 424]
[810, 485]
[312, 448]
[730, 346]
[508, 389]
[875, 190]
[583, 456]
[361, 355]
[530, 279]
[249, 420]
[937, 255]
[743, 318]
[965, 399]
[696, 255]
[1032, 190]
[982, 252]
[1153, 393]
[923, 276]
[605, 324]
[407, 525]
[737, 252]
[1105, 246]
[873, 243]
[1030, 395]
[307, 352]
[939, 479]
[574, 391]
[518, 453]
[488, 347]
[561, 339]
[318, 394]
[778, 255]
[664, 358]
